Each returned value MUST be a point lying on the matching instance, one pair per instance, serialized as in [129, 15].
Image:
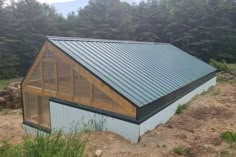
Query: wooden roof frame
[140, 113]
[101, 85]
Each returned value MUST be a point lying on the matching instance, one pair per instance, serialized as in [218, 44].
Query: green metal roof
[142, 72]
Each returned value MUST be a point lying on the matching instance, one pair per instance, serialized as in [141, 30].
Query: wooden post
[40, 110]
[73, 83]
[91, 91]
[42, 75]
[26, 107]
[56, 77]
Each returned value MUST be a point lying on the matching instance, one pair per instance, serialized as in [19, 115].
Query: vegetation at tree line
[204, 28]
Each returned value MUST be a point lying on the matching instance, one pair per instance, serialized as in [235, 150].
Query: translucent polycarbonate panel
[82, 86]
[30, 107]
[101, 97]
[65, 78]
[35, 79]
[36, 109]
[49, 77]
[44, 115]
[48, 54]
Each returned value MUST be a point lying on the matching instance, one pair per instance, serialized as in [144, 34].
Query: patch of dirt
[11, 126]
[184, 122]
[204, 113]
[201, 151]
[198, 129]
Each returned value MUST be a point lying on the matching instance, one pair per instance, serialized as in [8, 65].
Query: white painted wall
[70, 119]
[164, 115]
[30, 130]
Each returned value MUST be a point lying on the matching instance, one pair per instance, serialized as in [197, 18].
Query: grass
[205, 92]
[4, 112]
[180, 150]
[232, 66]
[229, 137]
[225, 153]
[181, 108]
[211, 91]
[222, 66]
[4, 83]
[51, 145]
[216, 91]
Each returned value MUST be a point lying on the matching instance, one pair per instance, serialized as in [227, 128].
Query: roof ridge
[102, 40]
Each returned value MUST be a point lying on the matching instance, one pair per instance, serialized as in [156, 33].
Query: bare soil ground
[197, 129]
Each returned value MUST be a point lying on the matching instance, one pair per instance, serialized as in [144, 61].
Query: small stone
[15, 84]
[3, 101]
[205, 146]
[98, 153]
[3, 92]
[12, 88]
[7, 97]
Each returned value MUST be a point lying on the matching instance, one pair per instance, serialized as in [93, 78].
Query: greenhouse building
[125, 87]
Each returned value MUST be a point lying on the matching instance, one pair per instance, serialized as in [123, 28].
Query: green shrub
[180, 150]
[220, 66]
[229, 136]
[181, 108]
[51, 145]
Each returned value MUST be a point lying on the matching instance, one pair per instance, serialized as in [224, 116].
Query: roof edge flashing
[103, 40]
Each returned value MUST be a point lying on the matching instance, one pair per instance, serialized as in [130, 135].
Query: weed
[181, 108]
[212, 90]
[216, 92]
[55, 144]
[180, 150]
[204, 92]
[225, 153]
[232, 82]
[4, 112]
[229, 137]
[164, 146]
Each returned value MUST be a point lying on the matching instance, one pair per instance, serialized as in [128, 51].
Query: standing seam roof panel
[127, 69]
[110, 70]
[131, 68]
[141, 72]
[94, 68]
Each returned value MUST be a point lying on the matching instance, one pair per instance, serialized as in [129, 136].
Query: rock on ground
[11, 96]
